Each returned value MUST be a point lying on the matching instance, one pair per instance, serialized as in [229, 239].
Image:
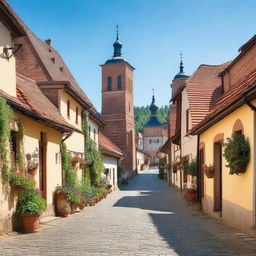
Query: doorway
[217, 176]
[42, 164]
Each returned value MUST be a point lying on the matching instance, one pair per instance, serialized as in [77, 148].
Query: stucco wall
[111, 163]
[237, 190]
[7, 67]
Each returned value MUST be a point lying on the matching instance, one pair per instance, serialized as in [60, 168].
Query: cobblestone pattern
[145, 218]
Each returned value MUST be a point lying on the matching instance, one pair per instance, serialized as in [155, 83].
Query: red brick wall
[117, 111]
[243, 67]
[28, 62]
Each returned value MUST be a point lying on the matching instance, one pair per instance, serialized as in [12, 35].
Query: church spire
[117, 45]
[181, 63]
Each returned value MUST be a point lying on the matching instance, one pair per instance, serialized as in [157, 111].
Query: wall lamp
[10, 51]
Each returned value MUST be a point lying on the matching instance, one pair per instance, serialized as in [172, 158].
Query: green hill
[142, 114]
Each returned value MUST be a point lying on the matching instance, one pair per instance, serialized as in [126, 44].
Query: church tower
[117, 106]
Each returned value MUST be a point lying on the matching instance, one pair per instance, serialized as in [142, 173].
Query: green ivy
[5, 117]
[20, 156]
[70, 177]
[92, 173]
[237, 153]
[21, 182]
[191, 168]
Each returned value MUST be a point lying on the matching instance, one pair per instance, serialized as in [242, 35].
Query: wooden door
[201, 174]
[217, 177]
[42, 164]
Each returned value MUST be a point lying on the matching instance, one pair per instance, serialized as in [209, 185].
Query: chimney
[48, 41]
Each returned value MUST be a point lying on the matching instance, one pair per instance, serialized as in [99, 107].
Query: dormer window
[109, 83]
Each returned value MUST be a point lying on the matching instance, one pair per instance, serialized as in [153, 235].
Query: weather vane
[117, 32]
[181, 55]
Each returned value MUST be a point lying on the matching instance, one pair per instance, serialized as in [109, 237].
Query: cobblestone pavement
[145, 218]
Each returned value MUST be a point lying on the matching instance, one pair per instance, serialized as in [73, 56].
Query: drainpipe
[249, 104]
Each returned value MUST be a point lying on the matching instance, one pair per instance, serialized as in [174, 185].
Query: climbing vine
[70, 177]
[93, 157]
[5, 117]
[20, 155]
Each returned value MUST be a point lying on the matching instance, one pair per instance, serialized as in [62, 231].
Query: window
[14, 137]
[119, 82]
[109, 83]
[157, 141]
[129, 106]
[68, 109]
[94, 134]
[89, 131]
[76, 115]
[150, 141]
[187, 120]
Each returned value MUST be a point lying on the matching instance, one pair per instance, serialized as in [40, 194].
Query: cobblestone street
[145, 218]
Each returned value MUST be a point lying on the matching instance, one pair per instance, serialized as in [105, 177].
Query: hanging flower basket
[237, 154]
[209, 171]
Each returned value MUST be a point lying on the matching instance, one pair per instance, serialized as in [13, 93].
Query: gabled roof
[9, 20]
[30, 97]
[54, 65]
[231, 100]
[107, 147]
[204, 88]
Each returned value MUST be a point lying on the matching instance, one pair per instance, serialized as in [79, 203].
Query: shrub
[237, 153]
[191, 168]
[21, 182]
[31, 202]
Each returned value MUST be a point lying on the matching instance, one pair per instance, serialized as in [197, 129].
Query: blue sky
[152, 32]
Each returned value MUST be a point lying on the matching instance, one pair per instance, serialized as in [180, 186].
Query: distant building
[155, 134]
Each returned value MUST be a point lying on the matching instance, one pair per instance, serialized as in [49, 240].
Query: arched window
[109, 83]
[238, 127]
[119, 82]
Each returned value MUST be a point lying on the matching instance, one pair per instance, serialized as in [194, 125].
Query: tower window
[109, 83]
[68, 109]
[119, 82]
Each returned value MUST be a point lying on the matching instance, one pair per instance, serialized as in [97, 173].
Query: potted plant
[66, 211]
[75, 160]
[30, 206]
[191, 193]
[209, 171]
[32, 168]
[191, 168]
[237, 153]
[176, 165]
[19, 182]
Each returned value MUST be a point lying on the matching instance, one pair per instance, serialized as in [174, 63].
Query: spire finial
[117, 32]
[153, 97]
[181, 63]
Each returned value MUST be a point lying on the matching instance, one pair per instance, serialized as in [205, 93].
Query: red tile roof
[31, 100]
[227, 100]
[57, 70]
[204, 88]
[108, 147]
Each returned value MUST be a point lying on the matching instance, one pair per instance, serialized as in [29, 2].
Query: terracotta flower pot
[61, 201]
[65, 214]
[32, 172]
[81, 206]
[30, 223]
[16, 188]
[73, 208]
[191, 196]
